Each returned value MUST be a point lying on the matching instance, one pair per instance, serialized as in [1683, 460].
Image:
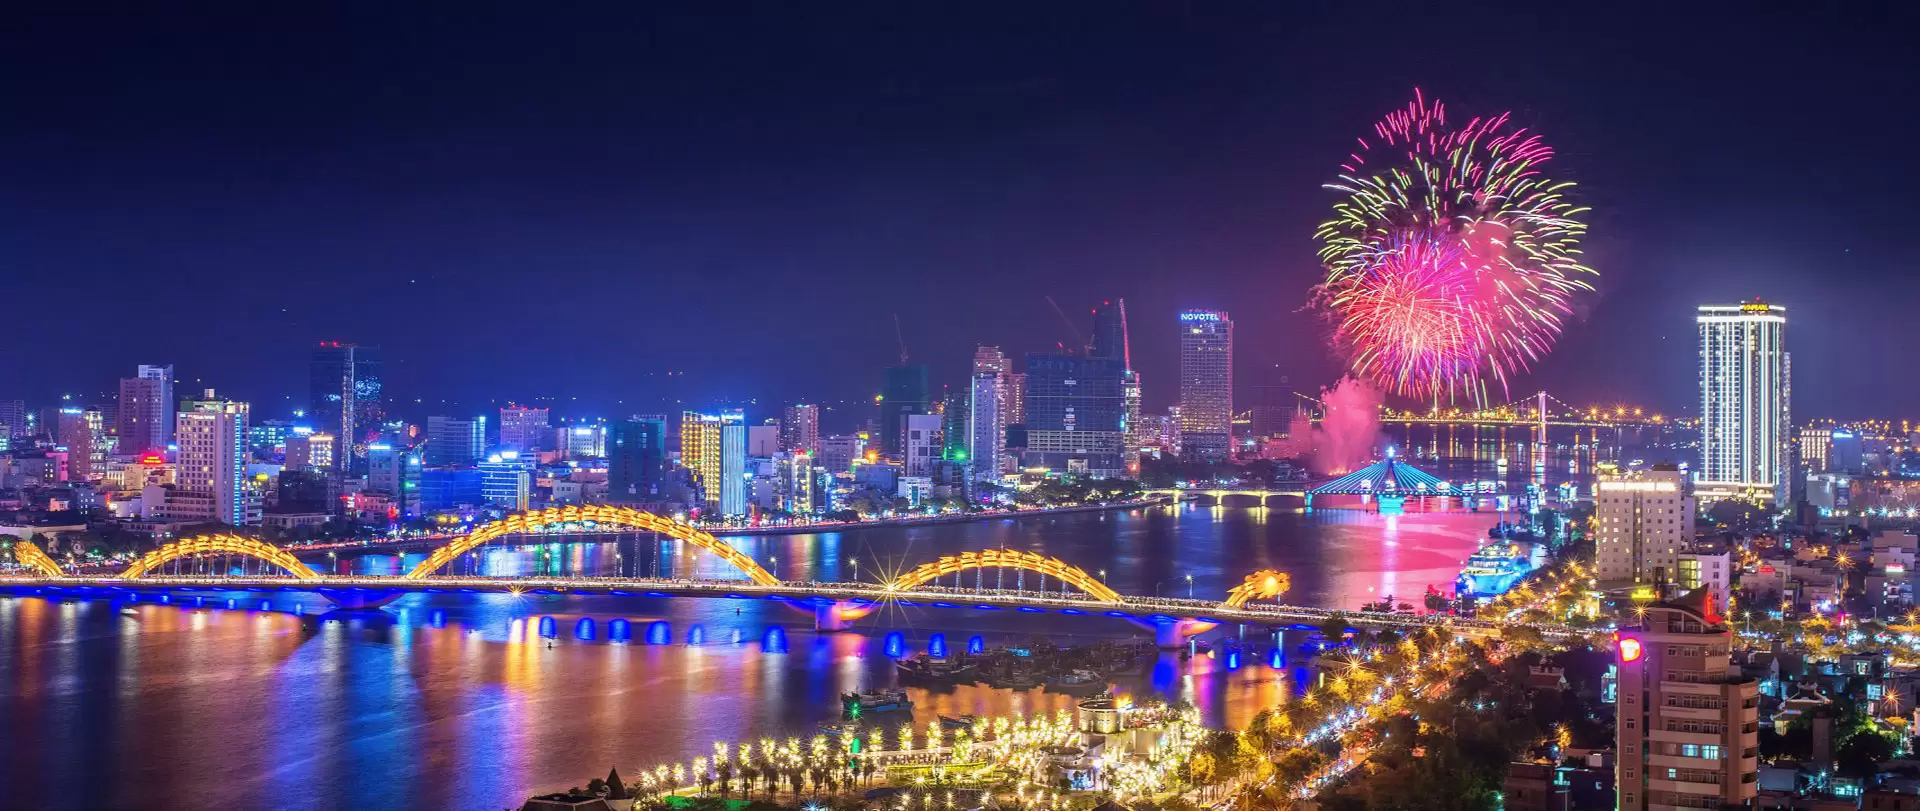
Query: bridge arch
[1007, 559]
[1265, 583]
[220, 544]
[32, 556]
[597, 514]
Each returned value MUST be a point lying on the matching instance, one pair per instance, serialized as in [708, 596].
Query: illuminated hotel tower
[1206, 385]
[1745, 390]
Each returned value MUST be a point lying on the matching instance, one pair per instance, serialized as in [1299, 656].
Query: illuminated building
[210, 481]
[1110, 343]
[1643, 521]
[73, 433]
[763, 440]
[837, 453]
[524, 429]
[986, 435]
[1206, 385]
[1076, 414]
[1016, 387]
[13, 418]
[506, 480]
[1814, 442]
[953, 423]
[307, 448]
[924, 444]
[733, 463]
[1687, 731]
[584, 440]
[145, 419]
[455, 440]
[345, 396]
[1746, 387]
[636, 460]
[799, 483]
[903, 391]
[1705, 570]
[1847, 452]
[700, 453]
[396, 472]
[800, 428]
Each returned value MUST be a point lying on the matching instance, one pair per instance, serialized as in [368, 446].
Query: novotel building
[1688, 732]
[1206, 385]
[1746, 386]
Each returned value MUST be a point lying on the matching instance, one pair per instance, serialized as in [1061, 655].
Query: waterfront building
[1075, 415]
[345, 396]
[1746, 387]
[210, 481]
[145, 421]
[800, 428]
[798, 482]
[524, 429]
[838, 453]
[444, 489]
[985, 435]
[395, 472]
[924, 444]
[1206, 385]
[903, 390]
[1016, 388]
[455, 440]
[733, 463]
[1688, 732]
[954, 422]
[307, 448]
[1643, 521]
[700, 453]
[636, 460]
[506, 480]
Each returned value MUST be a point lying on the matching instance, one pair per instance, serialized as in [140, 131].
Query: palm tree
[725, 768]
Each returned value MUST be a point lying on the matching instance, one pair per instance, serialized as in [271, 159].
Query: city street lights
[1189, 587]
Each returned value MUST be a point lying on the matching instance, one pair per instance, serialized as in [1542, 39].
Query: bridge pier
[837, 616]
[361, 598]
[1173, 635]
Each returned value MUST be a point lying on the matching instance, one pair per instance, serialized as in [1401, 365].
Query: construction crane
[1079, 342]
[901, 337]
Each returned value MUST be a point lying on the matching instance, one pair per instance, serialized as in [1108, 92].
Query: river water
[476, 701]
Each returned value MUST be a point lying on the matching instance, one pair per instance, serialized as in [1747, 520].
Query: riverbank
[931, 520]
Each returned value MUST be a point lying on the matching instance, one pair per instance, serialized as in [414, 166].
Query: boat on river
[859, 705]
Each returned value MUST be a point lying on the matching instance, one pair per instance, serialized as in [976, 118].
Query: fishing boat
[924, 669]
[1077, 683]
[963, 722]
[857, 705]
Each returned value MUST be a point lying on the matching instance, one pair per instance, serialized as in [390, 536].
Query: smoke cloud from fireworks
[1348, 436]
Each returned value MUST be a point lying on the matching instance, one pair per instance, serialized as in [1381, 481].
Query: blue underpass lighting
[438, 618]
[697, 635]
[619, 630]
[1031, 610]
[937, 646]
[775, 640]
[548, 628]
[976, 644]
[659, 633]
[1074, 611]
[583, 629]
[988, 607]
[896, 645]
[1120, 614]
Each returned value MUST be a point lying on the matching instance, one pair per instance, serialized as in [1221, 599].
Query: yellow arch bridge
[1059, 586]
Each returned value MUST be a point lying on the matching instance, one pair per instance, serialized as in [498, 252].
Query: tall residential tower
[1206, 385]
[145, 419]
[345, 396]
[1746, 387]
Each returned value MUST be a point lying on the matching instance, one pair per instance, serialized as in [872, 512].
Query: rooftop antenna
[1077, 340]
[901, 337]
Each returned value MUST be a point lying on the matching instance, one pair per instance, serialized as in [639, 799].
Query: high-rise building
[903, 390]
[1815, 441]
[73, 433]
[524, 429]
[346, 391]
[309, 449]
[1643, 521]
[1688, 732]
[733, 463]
[953, 424]
[838, 453]
[145, 419]
[455, 440]
[986, 435]
[800, 428]
[636, 460]
[763, 440]
[1109, 339]
[210, 476]
[989, 360]
[700, 453]
[13, 416]
[1206, 385]
[396, 472]
[1746, 386]
[1076, 414]
[585, 440]
[924, 444]
[1016, 388]
[506, 480]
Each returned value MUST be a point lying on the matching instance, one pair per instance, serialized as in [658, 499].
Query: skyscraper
[455, 440]
[1076, 411]
[733, 463]
[345, 394]
[145, 420]
[1110, 342]
[800, 428]
[986, 435]
[210, 479]
[636, 459]
[903, 391]
[924, 444]
[1746, 386]
[1643, 520]
[506, 480]
[1015, 385]
[1206, 385]
[525, 429]
[1687, 723]
[13, 418]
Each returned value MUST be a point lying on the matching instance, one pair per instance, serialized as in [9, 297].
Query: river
[475, 701]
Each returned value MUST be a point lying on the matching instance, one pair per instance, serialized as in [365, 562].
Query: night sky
[731, 203]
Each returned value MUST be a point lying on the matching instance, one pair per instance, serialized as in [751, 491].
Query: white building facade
[1644, 521]
[1745, 391]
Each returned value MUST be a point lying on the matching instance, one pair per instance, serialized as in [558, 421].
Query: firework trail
[1452, 259]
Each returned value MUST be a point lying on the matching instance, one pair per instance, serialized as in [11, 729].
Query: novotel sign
[1199, 316]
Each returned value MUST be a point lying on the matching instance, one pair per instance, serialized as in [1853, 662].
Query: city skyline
[1207, 201]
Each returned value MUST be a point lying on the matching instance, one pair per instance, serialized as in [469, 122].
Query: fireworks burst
[1452, 260]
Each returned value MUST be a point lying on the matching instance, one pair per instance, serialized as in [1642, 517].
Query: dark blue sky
[580, 203]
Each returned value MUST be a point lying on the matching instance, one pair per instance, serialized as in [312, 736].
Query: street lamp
[1189, 587]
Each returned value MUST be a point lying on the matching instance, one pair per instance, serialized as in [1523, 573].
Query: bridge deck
[1137, 608]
